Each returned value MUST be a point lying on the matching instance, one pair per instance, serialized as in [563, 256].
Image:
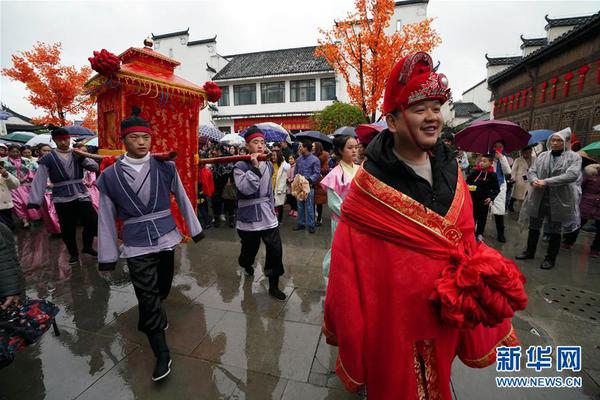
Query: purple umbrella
[480, 136]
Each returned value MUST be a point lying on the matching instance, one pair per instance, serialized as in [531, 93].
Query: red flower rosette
[105, 63]
[480, 286]
[213, 91]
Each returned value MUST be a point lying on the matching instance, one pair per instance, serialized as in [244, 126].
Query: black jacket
[487, 186]
[11, 277]
[383, 164]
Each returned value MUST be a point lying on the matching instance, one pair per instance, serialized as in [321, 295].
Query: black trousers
[280, 212]
[480, 213]
[152, 276]
[6, 218]
[250, 245]
[68, 214]
[291, 200]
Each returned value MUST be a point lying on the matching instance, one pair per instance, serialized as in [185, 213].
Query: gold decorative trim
[510, 339]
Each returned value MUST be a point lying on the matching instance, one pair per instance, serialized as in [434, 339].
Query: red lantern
[510, 105]
[517, 96]
[554, 81]
[523, 98]
[531, 99]
[567, 77]
[544, 85]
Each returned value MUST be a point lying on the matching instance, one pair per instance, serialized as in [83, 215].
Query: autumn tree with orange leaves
[55, 88]
[363, 54]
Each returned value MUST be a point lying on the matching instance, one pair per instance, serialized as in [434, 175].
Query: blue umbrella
[77, 130]
[345, 131]
[539, 135]
[273, 132]
[210, 132]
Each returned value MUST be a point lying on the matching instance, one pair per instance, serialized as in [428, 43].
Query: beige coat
[519, 169]
[6, 185]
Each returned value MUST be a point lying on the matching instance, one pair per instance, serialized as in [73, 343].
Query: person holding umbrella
[552, 197]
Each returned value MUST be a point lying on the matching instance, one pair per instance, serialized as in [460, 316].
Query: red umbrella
[480, 136]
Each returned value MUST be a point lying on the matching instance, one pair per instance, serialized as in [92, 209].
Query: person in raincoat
[519, 176]
[553, 196]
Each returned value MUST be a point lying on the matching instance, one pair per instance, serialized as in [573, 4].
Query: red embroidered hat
[413, 80]
[134, 123]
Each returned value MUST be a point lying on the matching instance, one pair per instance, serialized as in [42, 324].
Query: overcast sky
[468, 29]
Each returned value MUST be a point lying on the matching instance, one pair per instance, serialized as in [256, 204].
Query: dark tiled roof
[409, 2]
[462, 110]
[502, 60]
[569, 21]
[533, 42]
[172, 34]
[15, 114]
[474, 86]
[203, 41]
[592, 27]
[273, 62]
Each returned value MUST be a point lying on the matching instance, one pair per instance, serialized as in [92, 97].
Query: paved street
[230, 340]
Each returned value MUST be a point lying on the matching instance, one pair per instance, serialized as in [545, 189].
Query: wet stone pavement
[230, 340]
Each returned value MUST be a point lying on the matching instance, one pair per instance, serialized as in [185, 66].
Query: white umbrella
[233, 139]
[44, 138]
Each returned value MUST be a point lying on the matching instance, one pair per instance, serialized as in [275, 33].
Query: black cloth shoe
[547, 264]
[525, 256]
[158, 343]
[318, 223]
[90, 252]
[162, 367]
[311, 230]
[501, 238]
[274, 289]
[298, 228]
[74, 260]
[249, 271]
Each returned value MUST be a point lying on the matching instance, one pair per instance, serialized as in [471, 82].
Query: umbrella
[274, 132]
[481, 135]
[314, 135]
[210, 132]
[44, 138]
[539, 135]
[345, 131]
[77, 130]
[593, 149]
[4, 115]
[92, 142]
[366, 132]
[232, 139]
[19, 137]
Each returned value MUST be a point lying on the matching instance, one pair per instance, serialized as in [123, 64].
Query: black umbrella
[314, 135]
[345, 131]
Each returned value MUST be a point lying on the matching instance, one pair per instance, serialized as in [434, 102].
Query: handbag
[23, 324]
[229, 191]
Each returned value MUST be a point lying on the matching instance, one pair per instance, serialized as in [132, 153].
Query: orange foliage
[53, 87]
[91, 119]
[363, 54]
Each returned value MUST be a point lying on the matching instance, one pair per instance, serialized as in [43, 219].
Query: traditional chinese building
[555, 83]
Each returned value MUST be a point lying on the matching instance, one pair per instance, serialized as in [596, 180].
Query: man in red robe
[409, 287]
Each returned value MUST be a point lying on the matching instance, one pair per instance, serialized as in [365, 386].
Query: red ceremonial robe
[409, 290]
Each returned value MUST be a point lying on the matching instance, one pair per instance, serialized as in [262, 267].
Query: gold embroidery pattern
[412, 209]
[425, 363]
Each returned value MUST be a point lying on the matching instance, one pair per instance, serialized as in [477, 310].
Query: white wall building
[285, 86]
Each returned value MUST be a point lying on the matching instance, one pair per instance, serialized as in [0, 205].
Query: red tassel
[581, 72]
[567, 77]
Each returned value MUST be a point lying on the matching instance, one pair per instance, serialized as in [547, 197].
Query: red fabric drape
[581, 80]
[554, 82]
[567, 77]
[419, 300]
